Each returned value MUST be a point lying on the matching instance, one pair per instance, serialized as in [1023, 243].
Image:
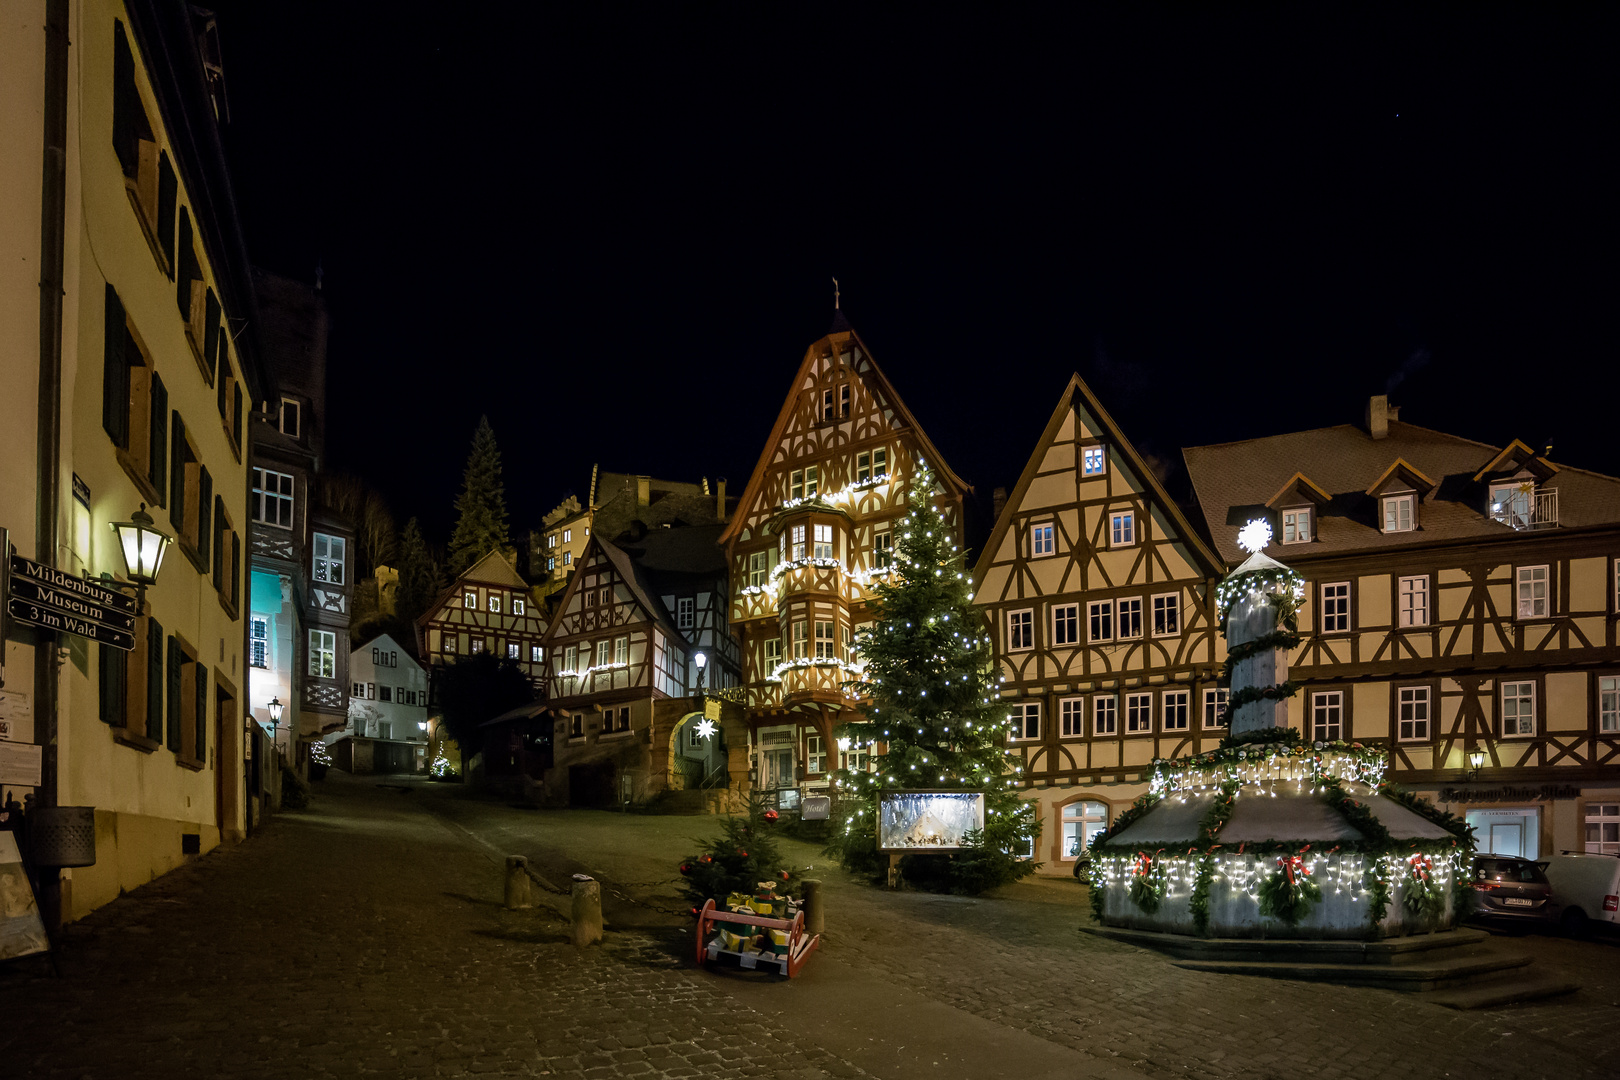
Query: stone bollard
[587, 910]
[517, 883]
[815, 921]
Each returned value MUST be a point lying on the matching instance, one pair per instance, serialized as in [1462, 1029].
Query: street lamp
[701, 661]
[143, 544]
[275, 708]
[1476, 761]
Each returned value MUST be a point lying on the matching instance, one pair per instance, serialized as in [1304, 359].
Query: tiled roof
[1234, 480]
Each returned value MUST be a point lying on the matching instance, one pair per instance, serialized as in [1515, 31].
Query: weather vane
[835, 294]
[1255, 535]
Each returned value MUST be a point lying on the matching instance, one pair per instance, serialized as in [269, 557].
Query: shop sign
[1543, 793]
[928, 820]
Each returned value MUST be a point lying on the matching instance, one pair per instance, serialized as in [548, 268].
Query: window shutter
[168, 198]
[182, 278]
[222, 377]
[210, 325]
[202, 712]
[158, 471]
[236, 570]
[219, 541]
[125, 96]
[110, 697]
[154, 680]
[205, 499]
[177, 473]
[115, 373]
[236, 415]
[175, 683]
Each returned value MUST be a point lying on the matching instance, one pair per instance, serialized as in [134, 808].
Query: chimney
[1379, 414]
[643, 490]
[998, 502]
[720, 498]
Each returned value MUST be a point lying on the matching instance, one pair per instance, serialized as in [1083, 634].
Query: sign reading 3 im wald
[45, 596]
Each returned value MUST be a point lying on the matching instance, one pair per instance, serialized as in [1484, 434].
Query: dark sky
[612, 228]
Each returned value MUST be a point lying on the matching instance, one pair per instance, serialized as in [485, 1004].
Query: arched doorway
[698, 754]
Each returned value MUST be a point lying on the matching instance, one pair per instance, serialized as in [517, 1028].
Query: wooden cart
[800, 945]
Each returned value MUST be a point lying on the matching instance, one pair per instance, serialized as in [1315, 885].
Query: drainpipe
[53, 226]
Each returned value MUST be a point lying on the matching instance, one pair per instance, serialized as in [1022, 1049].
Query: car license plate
[1516, 901]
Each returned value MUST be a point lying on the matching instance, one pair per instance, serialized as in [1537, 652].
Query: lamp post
[702, 662]
[1476, 762]
[275, 708]
[143, 545]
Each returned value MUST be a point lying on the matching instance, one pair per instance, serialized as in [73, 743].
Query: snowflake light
[705, 729]
[1255, 535]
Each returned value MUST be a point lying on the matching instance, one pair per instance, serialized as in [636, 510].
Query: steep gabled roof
[385, 639]
[882, 387]
[1077, 389]
[640, 588]
[1306, 487]
[492, 569]
[1517, 453]
[1402, 471]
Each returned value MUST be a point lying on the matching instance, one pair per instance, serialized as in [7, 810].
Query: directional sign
[52, 619]
[28, 570]
[67, 603]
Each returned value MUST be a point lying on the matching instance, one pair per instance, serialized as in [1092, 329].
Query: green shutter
[154, 680]
[205, 499]
[219, 541]
[187, 256]
[168, 199]
[222, 377]
[158, 470]
[202, 712]
[112, 697]
[210, 325]
[115, 373]
[177, 473]
[236, 572]
[125, 133]
[175, 660]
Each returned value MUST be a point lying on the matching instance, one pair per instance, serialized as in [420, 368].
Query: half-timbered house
[1098, 592]
[489, 608]
[1462, 599]
[613, 651]
[813, 529]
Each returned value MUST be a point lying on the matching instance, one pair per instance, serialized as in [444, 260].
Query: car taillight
[1611, 903]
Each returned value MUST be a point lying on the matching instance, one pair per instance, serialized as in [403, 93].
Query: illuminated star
[1255, 535]
[705, 729]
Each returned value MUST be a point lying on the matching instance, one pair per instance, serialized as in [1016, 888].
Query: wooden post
[815, 921]
[894, 869]
[587, 911]
[517, 883]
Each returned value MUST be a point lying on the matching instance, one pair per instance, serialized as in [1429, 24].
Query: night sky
[613, 229]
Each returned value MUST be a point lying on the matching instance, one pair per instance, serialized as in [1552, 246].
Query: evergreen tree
[481, 506]
[419, 577]
[476, 689]
[743, 855]
[930, 680]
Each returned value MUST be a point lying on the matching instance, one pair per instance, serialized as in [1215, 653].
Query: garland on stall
[1215, 819]
[1277, 639]
[1287, 589]
[1148, 884]
[1425, 897]
[1261, 737]
[1288, 893]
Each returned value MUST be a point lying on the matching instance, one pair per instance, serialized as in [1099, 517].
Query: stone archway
[672, 721]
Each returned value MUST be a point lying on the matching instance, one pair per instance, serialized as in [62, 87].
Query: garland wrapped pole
[1284, 838]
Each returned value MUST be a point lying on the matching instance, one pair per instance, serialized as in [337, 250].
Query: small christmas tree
[929, 677]
[743, 855]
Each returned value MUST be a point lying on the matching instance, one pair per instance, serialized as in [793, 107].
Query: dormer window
[1296, 525]
[1400, 513]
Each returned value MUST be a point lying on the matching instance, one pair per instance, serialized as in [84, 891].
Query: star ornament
[1255, 535]
[705, 729]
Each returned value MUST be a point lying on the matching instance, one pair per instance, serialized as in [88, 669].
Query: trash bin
[62, 836]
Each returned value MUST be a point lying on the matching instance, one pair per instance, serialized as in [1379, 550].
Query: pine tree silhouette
[481, 506]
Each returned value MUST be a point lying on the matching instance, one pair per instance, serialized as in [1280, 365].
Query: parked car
[1587, 889]
[1512, 892]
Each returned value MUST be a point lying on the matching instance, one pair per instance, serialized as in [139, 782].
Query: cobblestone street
[364, 935]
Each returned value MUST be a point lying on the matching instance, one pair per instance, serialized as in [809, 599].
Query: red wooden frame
[800, 944]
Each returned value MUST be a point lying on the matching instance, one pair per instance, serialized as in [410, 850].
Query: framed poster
[21, 931]
[927, 820]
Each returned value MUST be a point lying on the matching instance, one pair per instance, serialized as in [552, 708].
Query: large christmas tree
[481, 506]
[929, 675]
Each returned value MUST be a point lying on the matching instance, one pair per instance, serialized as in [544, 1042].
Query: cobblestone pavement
[1019, 960]
[364, 936]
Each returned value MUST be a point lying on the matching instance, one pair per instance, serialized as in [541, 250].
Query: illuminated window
[683, 613]
[495, 604]
[815, 754]
[323, 654]
[1123, 528]
[1532, 590]
[469, 599]
[1296, 526]
[824, 542]
[801, 648]
[758, 568]
[273, 498]
[882, 551]
[518, 607]
[1040, 539]
[1603, 828]
[259, 642]
[1609, 704]
[1518, 708]
[1082, 821]
[1093, 460]
[1020, 630]
[824, 640]
[796, 549]
[512, 650]
[621, 650]
[1398, 515]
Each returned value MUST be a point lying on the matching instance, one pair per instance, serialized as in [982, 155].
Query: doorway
[777, 771]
